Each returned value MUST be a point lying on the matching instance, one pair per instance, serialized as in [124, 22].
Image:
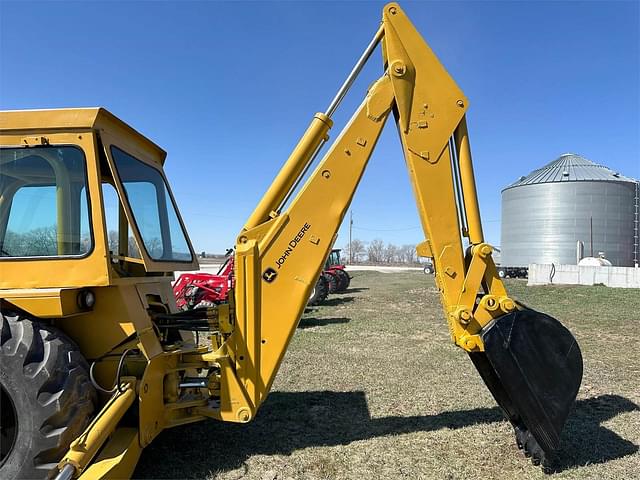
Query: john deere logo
[269, 275]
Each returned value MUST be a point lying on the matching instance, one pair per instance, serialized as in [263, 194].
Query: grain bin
[546, 212]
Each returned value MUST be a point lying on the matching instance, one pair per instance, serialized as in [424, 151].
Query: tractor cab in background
[333, 259]
[335, 272]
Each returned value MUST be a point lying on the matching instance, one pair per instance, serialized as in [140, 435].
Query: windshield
[153, 210]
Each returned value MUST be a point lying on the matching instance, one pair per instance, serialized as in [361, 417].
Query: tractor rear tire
[320, 292]
[343, 280]
[332, 279]
[47, 397]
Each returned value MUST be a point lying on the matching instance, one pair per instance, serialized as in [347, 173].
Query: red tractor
[198, 290]
[201, 290]
[335, 272]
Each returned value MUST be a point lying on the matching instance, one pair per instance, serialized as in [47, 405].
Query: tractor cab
[84, 193]
[333, 259]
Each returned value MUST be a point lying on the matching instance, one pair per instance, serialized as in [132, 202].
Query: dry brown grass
[371, 388]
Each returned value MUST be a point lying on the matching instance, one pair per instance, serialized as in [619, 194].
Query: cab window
[113, 214]
[44, 205]
[154, 212]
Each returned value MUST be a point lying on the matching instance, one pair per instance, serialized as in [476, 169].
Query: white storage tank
[571, 199]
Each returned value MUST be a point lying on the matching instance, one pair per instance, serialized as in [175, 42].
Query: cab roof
[70, 119]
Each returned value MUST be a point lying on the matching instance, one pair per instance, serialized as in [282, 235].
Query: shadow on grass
[289, 421]
[586, 441]
[355, 290]
[309, 322]
[334, 301]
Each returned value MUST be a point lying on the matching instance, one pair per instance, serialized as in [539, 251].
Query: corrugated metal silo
[545, 213]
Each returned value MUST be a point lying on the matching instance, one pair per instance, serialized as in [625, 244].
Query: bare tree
[390, 253]
[112, 238]
[408, 254]
[375, 251]
[85, 242]
[154, 247]
[13, 244]
[357, 250]
[41, 241]
[134, 252]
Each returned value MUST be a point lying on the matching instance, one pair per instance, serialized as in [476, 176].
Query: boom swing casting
[132, 330]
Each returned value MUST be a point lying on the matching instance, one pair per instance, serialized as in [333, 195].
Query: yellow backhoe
[96, 360]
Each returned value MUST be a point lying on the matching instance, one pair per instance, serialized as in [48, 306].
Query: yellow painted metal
[423, 249]
[46, 302]
[467, 178]
[119, 313]
[467, 317]
[432, 112]
[235, 404]
[295, 165]
[85, 447]
[159, 406]
[35, 123]
[117, 459]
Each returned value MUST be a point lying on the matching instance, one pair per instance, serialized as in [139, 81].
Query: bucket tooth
[533, 367]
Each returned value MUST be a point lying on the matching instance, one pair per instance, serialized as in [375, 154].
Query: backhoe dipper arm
[281, 251]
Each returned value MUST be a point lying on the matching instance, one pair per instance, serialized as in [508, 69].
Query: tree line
[43, 242]
[376, 251]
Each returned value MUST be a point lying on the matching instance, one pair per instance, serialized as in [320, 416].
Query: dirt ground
[372, 388]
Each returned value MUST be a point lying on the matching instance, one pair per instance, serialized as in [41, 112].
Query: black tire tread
[343, 280]
[332, 281]
[56, 375]
[321, 292]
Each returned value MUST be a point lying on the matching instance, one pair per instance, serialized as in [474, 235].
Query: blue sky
[228, 88]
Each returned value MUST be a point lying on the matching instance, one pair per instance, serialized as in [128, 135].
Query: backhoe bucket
[533, 367]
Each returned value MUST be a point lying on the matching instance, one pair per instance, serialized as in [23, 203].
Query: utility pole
[350, 230]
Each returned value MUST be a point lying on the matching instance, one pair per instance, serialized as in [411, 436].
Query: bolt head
[399, 69]
[507, 305]
[244, 415]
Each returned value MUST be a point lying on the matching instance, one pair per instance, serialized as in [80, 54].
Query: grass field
[372, 388]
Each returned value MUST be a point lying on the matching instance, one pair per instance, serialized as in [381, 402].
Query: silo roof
[570, 167]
